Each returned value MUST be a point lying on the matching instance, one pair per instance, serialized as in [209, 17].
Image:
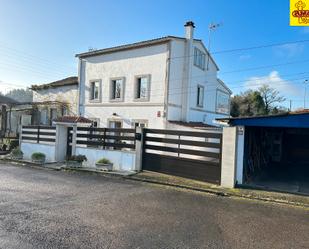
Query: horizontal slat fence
[190, 154]
[106, 138]
[38, 134]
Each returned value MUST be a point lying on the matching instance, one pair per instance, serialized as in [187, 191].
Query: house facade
[151, 83]
[55, 99]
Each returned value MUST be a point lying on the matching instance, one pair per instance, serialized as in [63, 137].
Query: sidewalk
[174, 181]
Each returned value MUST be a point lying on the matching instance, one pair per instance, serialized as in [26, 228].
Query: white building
[151, 83]
[55, 99]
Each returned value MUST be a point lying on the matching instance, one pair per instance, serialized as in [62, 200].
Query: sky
[39, 39]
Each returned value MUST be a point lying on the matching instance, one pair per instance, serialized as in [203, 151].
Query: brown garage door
[190, 154]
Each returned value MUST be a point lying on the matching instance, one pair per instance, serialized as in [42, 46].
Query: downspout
[79, 95]
[167, 79]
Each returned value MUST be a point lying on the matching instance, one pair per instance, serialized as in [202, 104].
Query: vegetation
[264, 101]
[17, 152]
[77, 158]
[38, 156]
[20, 95]
[13, 144]
[104, 161]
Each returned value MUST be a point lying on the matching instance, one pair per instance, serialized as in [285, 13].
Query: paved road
[51, 209]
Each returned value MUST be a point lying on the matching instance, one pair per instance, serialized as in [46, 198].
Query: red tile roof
[73, 119]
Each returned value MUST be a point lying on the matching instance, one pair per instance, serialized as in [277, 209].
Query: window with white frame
[117, 89]
[142, 88]
[200, 96]
[199, 58]
[94, 90]
[139, 123]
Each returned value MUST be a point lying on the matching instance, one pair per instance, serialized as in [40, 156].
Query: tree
[249, 103]
[271, 98]
[20, 95]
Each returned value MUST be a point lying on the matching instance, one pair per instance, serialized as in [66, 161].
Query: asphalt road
[51, 209]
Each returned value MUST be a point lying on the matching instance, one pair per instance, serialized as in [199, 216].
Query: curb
[222, 193]
[132, 178]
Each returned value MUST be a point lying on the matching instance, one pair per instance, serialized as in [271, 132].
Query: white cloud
[274, 80]
[289, 50]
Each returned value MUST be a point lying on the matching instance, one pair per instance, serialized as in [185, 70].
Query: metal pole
[305, 82]
[212, 27]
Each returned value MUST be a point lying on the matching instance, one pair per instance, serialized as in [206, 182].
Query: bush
[13, 144]
[77, 158]
[38, 156]
[17, 152]
[104, 161]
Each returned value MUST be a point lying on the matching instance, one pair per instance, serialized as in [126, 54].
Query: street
[42, 208]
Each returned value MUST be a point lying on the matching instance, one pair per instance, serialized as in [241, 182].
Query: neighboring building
[55, 99]
[152, 82]
[12, 115]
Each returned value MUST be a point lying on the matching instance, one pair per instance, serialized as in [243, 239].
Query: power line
[258, 47]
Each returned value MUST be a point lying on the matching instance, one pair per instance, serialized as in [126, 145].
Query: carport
[276, 151]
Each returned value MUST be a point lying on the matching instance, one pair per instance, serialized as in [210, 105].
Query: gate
[189, 154]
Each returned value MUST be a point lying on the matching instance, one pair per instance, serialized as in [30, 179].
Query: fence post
[139, 140]
[229, 153]
[38, 137]
[74, 135]
[104, 138]
[20, 135]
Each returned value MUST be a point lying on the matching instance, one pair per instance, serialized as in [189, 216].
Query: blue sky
[39, 39]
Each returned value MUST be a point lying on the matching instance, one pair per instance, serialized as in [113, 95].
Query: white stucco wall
[206, 78]
[122, 160]
[125, 64]
[164, 61]
[29, 148]
[65, 94]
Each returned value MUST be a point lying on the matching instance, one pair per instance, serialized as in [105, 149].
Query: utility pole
[212, 27]
[290, 105]
[306, 83]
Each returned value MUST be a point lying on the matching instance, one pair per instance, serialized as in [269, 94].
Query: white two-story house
[152, 83]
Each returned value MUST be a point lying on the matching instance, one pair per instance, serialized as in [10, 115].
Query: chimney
[189, 28]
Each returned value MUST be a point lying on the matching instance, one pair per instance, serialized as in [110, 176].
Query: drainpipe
[79, 92]
[167, 78]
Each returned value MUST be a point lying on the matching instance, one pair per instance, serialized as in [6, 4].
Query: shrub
[38, 156]
[77, 158]
[17, 152]
[13, 144]
[104, 161]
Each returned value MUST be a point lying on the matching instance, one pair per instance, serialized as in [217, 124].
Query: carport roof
[289, 120]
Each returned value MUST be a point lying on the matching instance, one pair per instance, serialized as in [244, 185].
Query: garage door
[189, 154]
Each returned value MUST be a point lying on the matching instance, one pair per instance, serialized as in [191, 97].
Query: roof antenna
[212, 27]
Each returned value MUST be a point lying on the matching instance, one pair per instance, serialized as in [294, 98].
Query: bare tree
[271, 97]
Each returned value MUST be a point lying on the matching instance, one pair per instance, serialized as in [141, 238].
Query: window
[223, 102]
[142, 124]
[117, 89]
[64, 111]
[94, 90]
[199, 58]
[43, 117]
[142, 88]
[200, 96]
[53, 115]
